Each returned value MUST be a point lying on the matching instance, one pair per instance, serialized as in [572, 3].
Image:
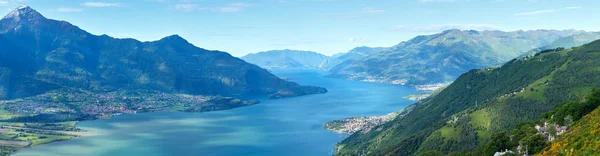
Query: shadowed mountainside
[39, 54]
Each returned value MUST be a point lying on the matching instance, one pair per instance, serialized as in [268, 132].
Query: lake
[292, 126]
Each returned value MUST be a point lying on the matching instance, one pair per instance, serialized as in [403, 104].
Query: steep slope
[484, 101]
[581, 139]
[286, 59]
[442, 57]
[39, 54]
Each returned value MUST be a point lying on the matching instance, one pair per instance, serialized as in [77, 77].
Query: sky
[325, 26]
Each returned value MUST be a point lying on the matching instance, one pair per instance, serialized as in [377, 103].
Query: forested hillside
[483, 102]
[39, 55]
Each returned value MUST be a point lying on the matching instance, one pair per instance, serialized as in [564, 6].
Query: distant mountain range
[344, 59]
[39, 54]
[427, 60]
[282, 59]
[286, 59]
[440, 58]
[567, 42]
[485, 110]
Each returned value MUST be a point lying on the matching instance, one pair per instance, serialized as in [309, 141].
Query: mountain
[442, 57]
[286, 59]
[350, 56]
[567, 42]
[484, 102]
[307, 59]
[38, 55]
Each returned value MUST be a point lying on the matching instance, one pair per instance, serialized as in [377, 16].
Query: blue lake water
[292, 126]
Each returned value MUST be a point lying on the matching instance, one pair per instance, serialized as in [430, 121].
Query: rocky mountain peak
[24, 13]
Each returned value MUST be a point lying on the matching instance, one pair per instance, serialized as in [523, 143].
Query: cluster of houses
[544, 130]
[503, 152]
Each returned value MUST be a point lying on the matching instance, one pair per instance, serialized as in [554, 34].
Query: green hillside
[482, 102]
[582, 139]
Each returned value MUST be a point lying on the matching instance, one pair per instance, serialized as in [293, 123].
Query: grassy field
[449, 132]
[481, 120]
[5, 114]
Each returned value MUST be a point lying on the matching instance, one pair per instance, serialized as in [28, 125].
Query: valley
[296, 78]
[289, 126]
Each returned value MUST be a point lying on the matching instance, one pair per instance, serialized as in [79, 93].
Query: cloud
[442, 27]
[231, 7]
[69, 10]
[535, 12]
[429, 1]
[370, 10]
[574, 7]
[361, 13]
[357, 40]
[101, 4]
[187, 7]
[3, 3]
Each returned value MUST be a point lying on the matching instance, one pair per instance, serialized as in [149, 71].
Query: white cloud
[357, 40]
[69, 10]
[187, 7]
[428, 1]
[231, 7]
[442, 27]
[370, 10]
[535, 12]
[101, 4]
[573, 7]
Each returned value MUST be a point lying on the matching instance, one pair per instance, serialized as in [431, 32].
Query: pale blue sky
[325, 26]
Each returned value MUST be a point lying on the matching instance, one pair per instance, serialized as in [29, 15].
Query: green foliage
[534, 143]
[46, 118]
[498, 142]
[574, 110]
[580, 139]
[521, 131]
[6, 151]
[432, 153]
[568, 120]
[556, 78]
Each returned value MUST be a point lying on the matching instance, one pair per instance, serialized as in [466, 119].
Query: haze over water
[292, 126]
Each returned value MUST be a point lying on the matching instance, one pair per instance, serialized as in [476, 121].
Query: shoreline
[364, 123]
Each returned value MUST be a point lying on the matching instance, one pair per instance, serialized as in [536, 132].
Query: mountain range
[428, 59]
[38, 55]
[283, 59]
[485, 103]
[442, 57]
[286, 59]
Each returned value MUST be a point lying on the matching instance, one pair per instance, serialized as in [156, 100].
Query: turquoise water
[292, 126]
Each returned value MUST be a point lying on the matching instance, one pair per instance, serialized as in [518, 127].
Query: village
[75, 101]
[549, 131]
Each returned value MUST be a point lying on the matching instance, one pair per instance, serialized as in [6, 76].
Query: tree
[499, 141]
[569, 120]
[552, 130]
[432, 153]
[534, 143]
